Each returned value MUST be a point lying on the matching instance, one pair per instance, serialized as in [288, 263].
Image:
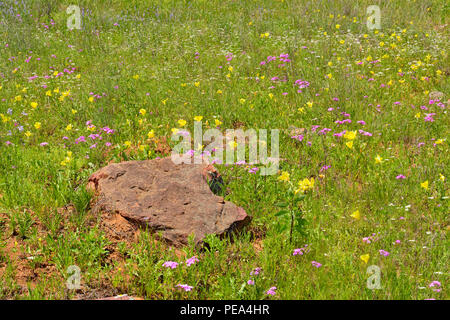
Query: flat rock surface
[169, 198]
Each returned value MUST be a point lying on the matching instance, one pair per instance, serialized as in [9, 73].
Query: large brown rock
[169, 198]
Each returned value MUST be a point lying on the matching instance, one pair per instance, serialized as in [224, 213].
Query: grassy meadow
[364, 141]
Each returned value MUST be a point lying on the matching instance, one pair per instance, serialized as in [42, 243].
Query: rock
[169, 198]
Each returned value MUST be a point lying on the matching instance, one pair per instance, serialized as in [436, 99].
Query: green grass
[172, 62]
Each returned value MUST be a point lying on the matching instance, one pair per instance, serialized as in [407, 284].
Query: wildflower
[255, 271]
[151, 134]
[185, 287]
[271, 291]
[384, 253]
[441, 177]
[170, 264]
[181, 122]
[316, 264]
[34, 105]
[191, 261]
[424, 185]
[198, 118]
[127, 143]
[378, 159]
[251, 282]
[217, 122]
[37, 125]
[349, 144]
[434, 284]
[143, 112]
[350, 135]
[284, 176]
[356, 215]
[305, 185]
[400, 176]
[365, 258]
[69, 127]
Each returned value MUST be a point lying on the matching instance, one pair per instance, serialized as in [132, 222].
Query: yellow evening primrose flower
[338, 26]
[48, 93]
[365, 258]
[37, 125]
[217, 122]
[378, 159]
[350, 135]
[424, 185]
[304, 185]
[74, 111]
[136, 76]
[143, 111]
[127, 143]
[349, 144]
[69, 127]
[28, 133]
[285, 176]
[219, 91]
[18, 98]
[310, 104]
[198, 118]
[34, 105]
[441, 177]
[417, 115]
[151, 134]
[91, 99]
[174, 130]
[197, 84]
[181, 122]
[356, 215]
